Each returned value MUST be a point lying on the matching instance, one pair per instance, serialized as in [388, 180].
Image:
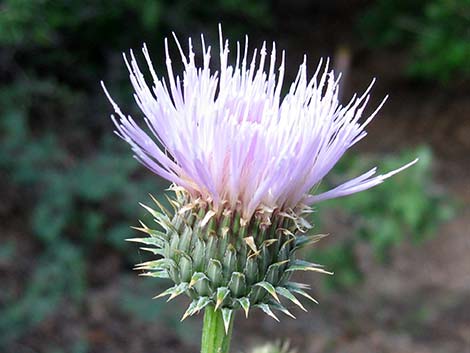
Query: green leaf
[199, 255]
[287, 294]
[154, 213]
[306, 240]
[251, 271]
[269, 288]
[202, 303]
[174, 291]
[160, 264]
[222, 293]
[227, 318]
[237, 284]
[245, 304]
[230, 261]
[267, 310]
[196, 277]
[154, 251]
[281, 308]
[294, 287]
[156, 274]
[300, 265]
[190, 311]
[214, 272]
[147, 241]
[275, 271]
[185, 268]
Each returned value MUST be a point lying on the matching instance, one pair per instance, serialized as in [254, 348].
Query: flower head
[230, 137]
[243, 158]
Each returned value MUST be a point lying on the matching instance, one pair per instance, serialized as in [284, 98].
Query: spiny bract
[217, 258]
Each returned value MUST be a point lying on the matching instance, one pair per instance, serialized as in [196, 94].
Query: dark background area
[70, 188]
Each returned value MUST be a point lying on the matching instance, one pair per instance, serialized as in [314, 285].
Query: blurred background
[70, 188]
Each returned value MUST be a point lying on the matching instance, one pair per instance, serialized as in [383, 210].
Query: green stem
[214, 338]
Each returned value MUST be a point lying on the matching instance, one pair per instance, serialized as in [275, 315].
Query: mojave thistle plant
[242, 160]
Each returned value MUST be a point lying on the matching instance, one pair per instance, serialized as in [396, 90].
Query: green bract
[217, 258]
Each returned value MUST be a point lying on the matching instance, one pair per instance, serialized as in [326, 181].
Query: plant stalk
[214, 338]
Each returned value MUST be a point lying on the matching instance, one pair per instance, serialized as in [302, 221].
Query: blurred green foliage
[58, 272]
[70, 203]
[136, 300]
[48, 23]
[436, 33]
[405, 208]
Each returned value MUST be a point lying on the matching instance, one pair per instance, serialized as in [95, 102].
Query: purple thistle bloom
[230, 138]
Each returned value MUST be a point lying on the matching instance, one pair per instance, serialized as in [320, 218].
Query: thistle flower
[242, 160]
